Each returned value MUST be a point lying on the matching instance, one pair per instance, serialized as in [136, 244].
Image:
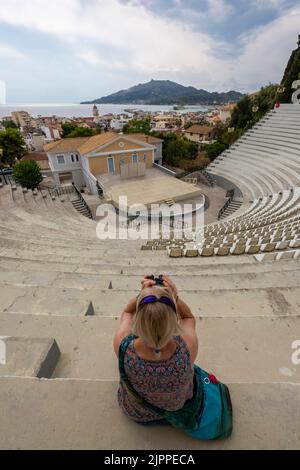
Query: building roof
[65, 145]
[96, 141]
[86, 145]
[198, 129]
[149, 139]
[36, 156]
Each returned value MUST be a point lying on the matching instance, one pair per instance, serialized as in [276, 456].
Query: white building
[117, 124]
[225, 112]
[50, 133]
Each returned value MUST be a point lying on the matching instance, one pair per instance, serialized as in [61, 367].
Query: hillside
[291, 74]
[166, 92]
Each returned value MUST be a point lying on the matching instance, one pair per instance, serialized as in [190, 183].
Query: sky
[67, 51]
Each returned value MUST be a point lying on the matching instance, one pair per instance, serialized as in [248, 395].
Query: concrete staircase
[81, 208]
[59, 282]
[232, 207]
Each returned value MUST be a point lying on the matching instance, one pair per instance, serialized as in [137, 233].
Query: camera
[158, 280]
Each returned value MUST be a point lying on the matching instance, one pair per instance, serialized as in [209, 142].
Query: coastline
[86, 110]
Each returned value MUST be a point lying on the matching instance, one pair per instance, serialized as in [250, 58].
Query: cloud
[266, 51]
[220, 10]
[149, 43]
[9, 52]
[270, 4]
[125, 40]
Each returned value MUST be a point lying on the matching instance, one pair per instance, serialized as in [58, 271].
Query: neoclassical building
[84, 159]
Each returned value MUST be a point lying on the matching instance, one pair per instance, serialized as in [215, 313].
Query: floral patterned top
[165, 384]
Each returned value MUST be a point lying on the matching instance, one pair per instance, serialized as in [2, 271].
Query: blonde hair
[155, 323]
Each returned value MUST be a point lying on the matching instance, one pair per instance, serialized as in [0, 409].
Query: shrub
[13, 146]
[27, 174]
[214, 150]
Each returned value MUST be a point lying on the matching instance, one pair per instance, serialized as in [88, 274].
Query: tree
[12, 145]
[214, 150]
[265, 101]
[228, 138]
[67, 128]
[9, 124]
[70, 130]
[291, 74]
[242, 114]
[138, 125]
[27, 174]
[81, 132]
[176, 148]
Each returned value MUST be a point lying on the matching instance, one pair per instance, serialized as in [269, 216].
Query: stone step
[199, 282]
[106, 302]
[73, 254]
[235, 348]
[28, 357]
[170, 267]
[126, 256]
[81, 414]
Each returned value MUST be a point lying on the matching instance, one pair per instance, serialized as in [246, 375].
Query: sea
[86, 110]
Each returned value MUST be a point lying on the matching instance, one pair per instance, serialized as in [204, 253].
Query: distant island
[166, 92]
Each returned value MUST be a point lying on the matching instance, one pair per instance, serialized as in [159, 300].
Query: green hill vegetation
[291, 73]
[167, 92]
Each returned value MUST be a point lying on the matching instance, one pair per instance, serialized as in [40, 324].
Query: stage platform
[154, 191]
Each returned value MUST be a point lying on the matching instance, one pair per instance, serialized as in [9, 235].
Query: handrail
[189, 174]
[163, 168]
[94, 181]
[61, 190]
[83, 201]
[7, 179]
[230, 195]
[70, 189]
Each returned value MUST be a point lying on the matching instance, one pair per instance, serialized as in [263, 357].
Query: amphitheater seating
[63, 290]
[264, 163]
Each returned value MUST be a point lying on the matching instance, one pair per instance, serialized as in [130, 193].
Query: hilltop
[166, 92]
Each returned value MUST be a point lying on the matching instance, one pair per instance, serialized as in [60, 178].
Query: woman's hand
[171, 285]
[147, 282]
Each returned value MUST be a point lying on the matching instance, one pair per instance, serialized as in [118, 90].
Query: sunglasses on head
[150, 299]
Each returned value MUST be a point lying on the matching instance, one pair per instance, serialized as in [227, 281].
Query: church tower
[95, 112]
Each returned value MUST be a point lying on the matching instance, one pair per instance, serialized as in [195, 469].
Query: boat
[178, 107]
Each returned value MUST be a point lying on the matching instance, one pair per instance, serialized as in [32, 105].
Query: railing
[94, 183]
[71, 189]
[82, 200]
[208, 178]
[199, 174]
[61, 190]
[7, 179]
[230, 195]
[163, 168]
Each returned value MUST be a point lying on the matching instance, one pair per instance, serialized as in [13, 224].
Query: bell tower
[95, 111]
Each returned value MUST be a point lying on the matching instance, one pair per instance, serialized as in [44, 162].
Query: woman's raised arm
[125, 325]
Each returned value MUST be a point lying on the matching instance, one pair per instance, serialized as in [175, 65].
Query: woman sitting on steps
[156, 344]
